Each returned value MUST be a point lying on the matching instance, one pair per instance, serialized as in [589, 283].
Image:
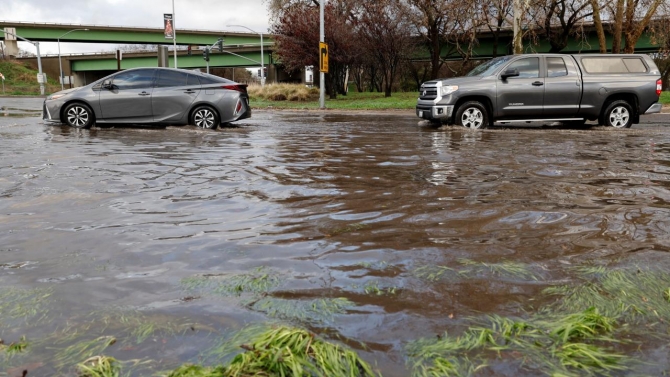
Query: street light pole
[39, 58]
[60, 65]
[262, 56]
[174, 35]
[322, 75]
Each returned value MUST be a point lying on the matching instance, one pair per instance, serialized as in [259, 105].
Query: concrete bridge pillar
[11, 44]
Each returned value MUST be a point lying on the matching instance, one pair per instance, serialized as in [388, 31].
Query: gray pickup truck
[613, 89]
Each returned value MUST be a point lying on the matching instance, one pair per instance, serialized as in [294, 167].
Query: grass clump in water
[506, 269]
[285, 351]
[83, 350]
[317, 310]
[261, 280]
[467, 268]
[23, 304]
[282, 351]
[99, 366]
[434, 273]
[557, 345]
[14, 347]
[633, 296]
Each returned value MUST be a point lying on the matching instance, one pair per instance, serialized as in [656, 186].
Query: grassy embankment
[21, 79]
[285, 96]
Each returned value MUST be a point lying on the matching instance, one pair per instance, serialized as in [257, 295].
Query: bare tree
[497, 16]
[557, 20]
[385, 32]
[429, 18]
[630, 19]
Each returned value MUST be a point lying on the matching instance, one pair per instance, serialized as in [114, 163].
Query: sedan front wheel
[205, 117]
[78, 115]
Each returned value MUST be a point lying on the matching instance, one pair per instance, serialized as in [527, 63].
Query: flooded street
[367, 229]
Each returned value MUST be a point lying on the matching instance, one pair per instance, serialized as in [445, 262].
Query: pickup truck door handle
[189, 91]
[538, 83]
[145, 94]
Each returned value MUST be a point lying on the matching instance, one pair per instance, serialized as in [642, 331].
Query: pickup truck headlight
[446, 90]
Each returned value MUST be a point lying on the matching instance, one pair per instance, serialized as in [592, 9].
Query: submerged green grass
[313, 311]
[282, 351]
[632, 295]
[260, 280]
[23, 304]
[575, 335]
[99, 366]
[557, 345]
[468, 268]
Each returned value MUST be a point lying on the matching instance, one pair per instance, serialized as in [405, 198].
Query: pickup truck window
[528, 67]
[487, 68]
[556, 67]
[613, 65]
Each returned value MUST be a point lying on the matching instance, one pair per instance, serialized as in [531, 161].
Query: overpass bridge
[241, 49]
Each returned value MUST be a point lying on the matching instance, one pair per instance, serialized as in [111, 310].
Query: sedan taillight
[237, 88]
[659, 87]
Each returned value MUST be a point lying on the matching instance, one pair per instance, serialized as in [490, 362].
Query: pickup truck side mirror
[513, 72]
[107, 84]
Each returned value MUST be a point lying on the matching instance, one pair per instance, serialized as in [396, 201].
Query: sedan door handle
[538, 83]
[189, 92]
[145, 94]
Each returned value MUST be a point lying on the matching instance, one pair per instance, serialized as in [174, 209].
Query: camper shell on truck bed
[612, 89]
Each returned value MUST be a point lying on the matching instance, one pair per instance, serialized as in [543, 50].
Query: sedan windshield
[486, 69]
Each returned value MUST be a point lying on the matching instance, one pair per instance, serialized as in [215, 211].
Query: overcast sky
[190, 14]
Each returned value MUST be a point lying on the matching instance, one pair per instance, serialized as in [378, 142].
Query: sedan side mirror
[513, 72]
[107, 84]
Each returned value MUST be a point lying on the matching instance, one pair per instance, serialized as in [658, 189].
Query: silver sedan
[151, 95]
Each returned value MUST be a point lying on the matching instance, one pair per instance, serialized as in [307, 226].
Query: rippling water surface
[108, 225]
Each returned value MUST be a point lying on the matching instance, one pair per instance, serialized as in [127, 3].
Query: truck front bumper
[434, 112]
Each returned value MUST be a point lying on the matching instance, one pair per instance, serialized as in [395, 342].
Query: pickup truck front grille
[428, 93]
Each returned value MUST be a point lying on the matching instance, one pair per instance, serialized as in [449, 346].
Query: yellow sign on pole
[323, 57]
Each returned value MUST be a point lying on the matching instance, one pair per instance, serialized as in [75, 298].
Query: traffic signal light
[219, 44]
[188, 51]
[205, 54]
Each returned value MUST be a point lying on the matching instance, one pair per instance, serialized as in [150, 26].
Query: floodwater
[117, 226]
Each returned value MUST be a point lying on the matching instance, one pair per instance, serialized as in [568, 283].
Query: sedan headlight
[446, 90]
[57, 96]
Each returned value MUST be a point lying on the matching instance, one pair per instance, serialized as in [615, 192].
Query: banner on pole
[168, 25]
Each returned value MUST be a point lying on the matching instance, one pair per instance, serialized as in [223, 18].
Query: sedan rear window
[168, 78]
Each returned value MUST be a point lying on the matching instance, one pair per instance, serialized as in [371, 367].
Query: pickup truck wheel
[618, 114]
[472, 115]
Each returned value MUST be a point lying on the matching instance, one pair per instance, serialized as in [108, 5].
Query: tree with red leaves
[297, 41]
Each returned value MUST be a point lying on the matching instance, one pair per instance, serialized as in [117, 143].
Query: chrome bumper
[655, 108]
[434, 112]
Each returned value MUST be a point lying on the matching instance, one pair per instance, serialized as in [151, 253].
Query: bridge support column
[11, 44]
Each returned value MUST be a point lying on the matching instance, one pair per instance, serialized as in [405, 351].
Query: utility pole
[174, 35]
[322, 76]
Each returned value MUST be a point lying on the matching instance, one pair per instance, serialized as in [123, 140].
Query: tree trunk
[618, 27]
[598, 23]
